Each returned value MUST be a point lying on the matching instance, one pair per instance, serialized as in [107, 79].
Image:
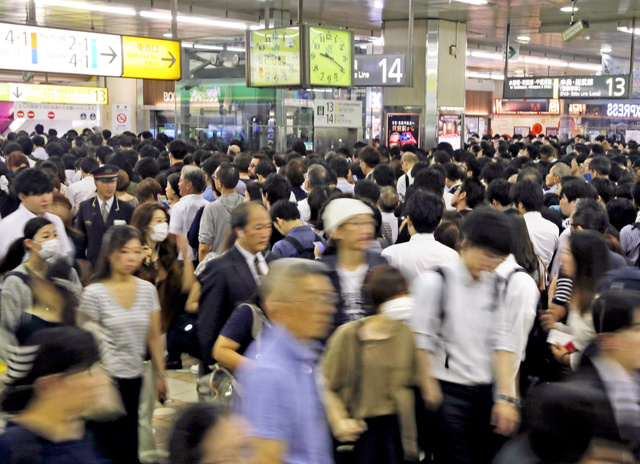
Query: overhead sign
[151, 58]
[51, 111]
[338, 113]
[568, 87]
[53, 94]
[43, 49]
[379, 70]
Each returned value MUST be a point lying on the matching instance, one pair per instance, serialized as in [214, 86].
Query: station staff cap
[107, 173]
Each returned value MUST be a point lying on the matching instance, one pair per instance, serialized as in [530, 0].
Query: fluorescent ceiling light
[523, 38]
[628, 30]
[121, 10]
[586, 66]
[497, 76]
[207, 47]
[568, 9]
[606, 49]
[235, 49]
[474, 2]
[168, 35]
[488, 55]
[223, 23]
[545, 62]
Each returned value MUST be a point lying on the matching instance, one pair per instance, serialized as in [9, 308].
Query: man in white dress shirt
[422, 253]
[407, 162]
[35, 190]
[528, 198]
[192, 184]
[86, 188]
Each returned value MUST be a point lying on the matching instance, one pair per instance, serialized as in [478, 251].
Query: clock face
[330, 57]
[274, 58]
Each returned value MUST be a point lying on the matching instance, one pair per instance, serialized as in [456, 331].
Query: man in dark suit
[233, 277]
[97, 214]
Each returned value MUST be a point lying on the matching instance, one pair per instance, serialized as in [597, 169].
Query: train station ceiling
[214, 21]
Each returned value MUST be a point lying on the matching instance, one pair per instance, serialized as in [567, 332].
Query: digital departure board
[274, 57]
[568, 87]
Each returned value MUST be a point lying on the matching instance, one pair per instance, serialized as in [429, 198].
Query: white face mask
[49, 248]
[160, 232]
[400, 309]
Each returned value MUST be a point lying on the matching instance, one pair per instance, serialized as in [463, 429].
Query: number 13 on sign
[620, 88]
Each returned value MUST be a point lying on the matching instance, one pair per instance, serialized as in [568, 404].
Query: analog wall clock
[274, 57]
[330, 59]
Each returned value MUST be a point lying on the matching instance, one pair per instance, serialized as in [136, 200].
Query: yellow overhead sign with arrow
[150, 58]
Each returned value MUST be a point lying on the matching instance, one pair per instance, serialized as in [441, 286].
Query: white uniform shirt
[12, 228]
[421, 253]
[544, 235]
[183, 214]
[78, 192]
[475, 324]
[405, 181]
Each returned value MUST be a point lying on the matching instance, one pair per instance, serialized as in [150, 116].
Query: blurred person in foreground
[281, 398]
[206, 434]
[49, 402]
[466, 345]
[593, 417]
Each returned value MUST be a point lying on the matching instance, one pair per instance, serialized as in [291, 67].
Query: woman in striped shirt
[127, 311]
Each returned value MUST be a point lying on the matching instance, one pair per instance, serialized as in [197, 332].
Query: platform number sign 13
[330, 57]
[617, 86]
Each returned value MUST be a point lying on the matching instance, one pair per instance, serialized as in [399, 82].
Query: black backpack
[302, 251]
[624, 278]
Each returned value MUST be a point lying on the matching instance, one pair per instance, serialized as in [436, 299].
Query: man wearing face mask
[97, 214]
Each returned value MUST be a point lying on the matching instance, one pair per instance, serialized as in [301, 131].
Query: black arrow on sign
[17, 93]
[172, 59]
[113, 55]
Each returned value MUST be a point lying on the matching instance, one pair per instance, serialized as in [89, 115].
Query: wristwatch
[509, 399]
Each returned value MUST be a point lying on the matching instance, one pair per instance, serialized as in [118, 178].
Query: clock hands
[326, 55]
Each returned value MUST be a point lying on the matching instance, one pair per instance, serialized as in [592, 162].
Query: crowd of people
[373, 305]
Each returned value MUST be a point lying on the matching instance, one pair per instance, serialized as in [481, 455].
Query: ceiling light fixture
[568, 9]
[121, 10]
[474, 2]
[488, 55]
[236, 49]
[606, 49]
[545, 62]
[586, 66]
[627, 30]
[523, 38]
[197, 20]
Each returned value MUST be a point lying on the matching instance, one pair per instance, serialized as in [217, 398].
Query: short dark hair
[601, 165]
[340, 166]
[178, 149]
[26, 145]
[147, 167]
[285, 210]
[191, 429]
[242, 162]
[384, 283]
[425, 211]
[431, 180]
[294, 171]
[453, 171]
[489, 229]
[492, 171]
[578, 188]
[367, 189]
[32, 181]
[590, 215]
[88, 164]
[228, 175]
[614, 310]
[621, 212]
[103, 152]
[370, 156]
[54, 149]
[605, 187]
[240, 214]
[500, 191]
[148, 151]
[475, 192]
[318, 176]
[264, 168]
[38, 140]
[384, 176]
[529, 194]
[276, 187]
[148, 188]
[533, 150]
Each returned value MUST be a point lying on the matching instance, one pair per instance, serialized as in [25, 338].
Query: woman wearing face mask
[31, 293]
[172, 277]
[371, 373]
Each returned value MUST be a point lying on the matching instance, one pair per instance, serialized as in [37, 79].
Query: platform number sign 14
[395, 70]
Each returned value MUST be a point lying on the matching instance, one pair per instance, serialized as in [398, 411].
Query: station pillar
[124, 91]
[439, 50]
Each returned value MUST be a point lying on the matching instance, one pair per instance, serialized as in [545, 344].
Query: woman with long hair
[127, 310]
[523, 250]
[584, 263]
[172, 190]
[172, 277]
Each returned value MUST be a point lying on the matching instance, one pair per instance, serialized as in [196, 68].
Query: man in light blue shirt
[281, 399]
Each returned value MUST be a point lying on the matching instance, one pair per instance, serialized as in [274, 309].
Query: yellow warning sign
[150, 58]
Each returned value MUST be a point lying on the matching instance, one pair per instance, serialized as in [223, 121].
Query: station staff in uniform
[97, 214]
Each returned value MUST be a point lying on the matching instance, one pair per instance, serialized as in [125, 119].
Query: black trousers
[461, 428]
[117, 440]
[182, 337]
[381, 443]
